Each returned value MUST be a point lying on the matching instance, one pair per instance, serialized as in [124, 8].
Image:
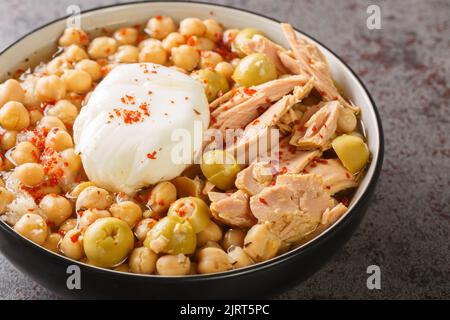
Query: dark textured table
[406, 66]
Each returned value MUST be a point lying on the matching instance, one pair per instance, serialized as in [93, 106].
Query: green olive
[254, 69]
[220, 168]
[352, 151]
[243, 35]
[191, 209]
[173, 235]
[107, 242]
[213, 81]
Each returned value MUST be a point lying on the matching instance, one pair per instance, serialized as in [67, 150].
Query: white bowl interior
[39, 45]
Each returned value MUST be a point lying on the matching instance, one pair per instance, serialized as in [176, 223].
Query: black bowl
[260, 281]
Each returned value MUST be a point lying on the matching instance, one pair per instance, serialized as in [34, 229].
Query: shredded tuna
[295, 205]
[335, 177]
[310, 60]
[233, 210]
[255, 177]
[319, 129]
[245, 106]
[293, 160]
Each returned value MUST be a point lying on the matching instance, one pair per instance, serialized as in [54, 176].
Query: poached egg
[128, 133]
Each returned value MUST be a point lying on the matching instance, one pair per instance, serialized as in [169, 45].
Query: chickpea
[173, 40]
[107, 242]
[162, 196]
[51, 122]
[30, 99]
[58, 140]
[8, 140]
[185, 57]
[57, 66]
[214, 29]
[154, 53]
[102, 47]
[74, 53]
[32, 227]
[212, 232]
[209, 59]
[142, 260]
[92, 67]
[78, 81]
[35, 117]
[126, 36]
[11, 90]
[44, 190]
[127, 54]
[233, 237]
[238, 257]
[173, 265]
[160, 26]
[79, 188]
[94, 198]
[212, 244]
[65, 111]
[52, 242]
[89, 216]
[212, 260]
[192, 27]
[127, 211]
[72, 245]
[149, 42]
[50, 88]
[73, 36]
[225, 68]
[14, 116]
[30, 174]
[202, 43]
[71, 160]
[143, 227]
[6, 197]
[261, 243]
[25, 152]
[67, 225]
[347, 120]
[55, 208]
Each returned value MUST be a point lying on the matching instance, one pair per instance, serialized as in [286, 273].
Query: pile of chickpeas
[167, 229]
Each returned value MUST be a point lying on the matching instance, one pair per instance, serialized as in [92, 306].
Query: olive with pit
[352, 151]
[107, 242]
[254, 69]
[220, 168]
[173, 235]
[191, 209]
[214, 82]
[242, 37]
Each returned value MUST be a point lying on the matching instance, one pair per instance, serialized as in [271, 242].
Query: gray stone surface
[406, 67]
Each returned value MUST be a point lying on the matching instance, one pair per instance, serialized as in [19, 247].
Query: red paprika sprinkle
[74, 238]
[263, 201]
